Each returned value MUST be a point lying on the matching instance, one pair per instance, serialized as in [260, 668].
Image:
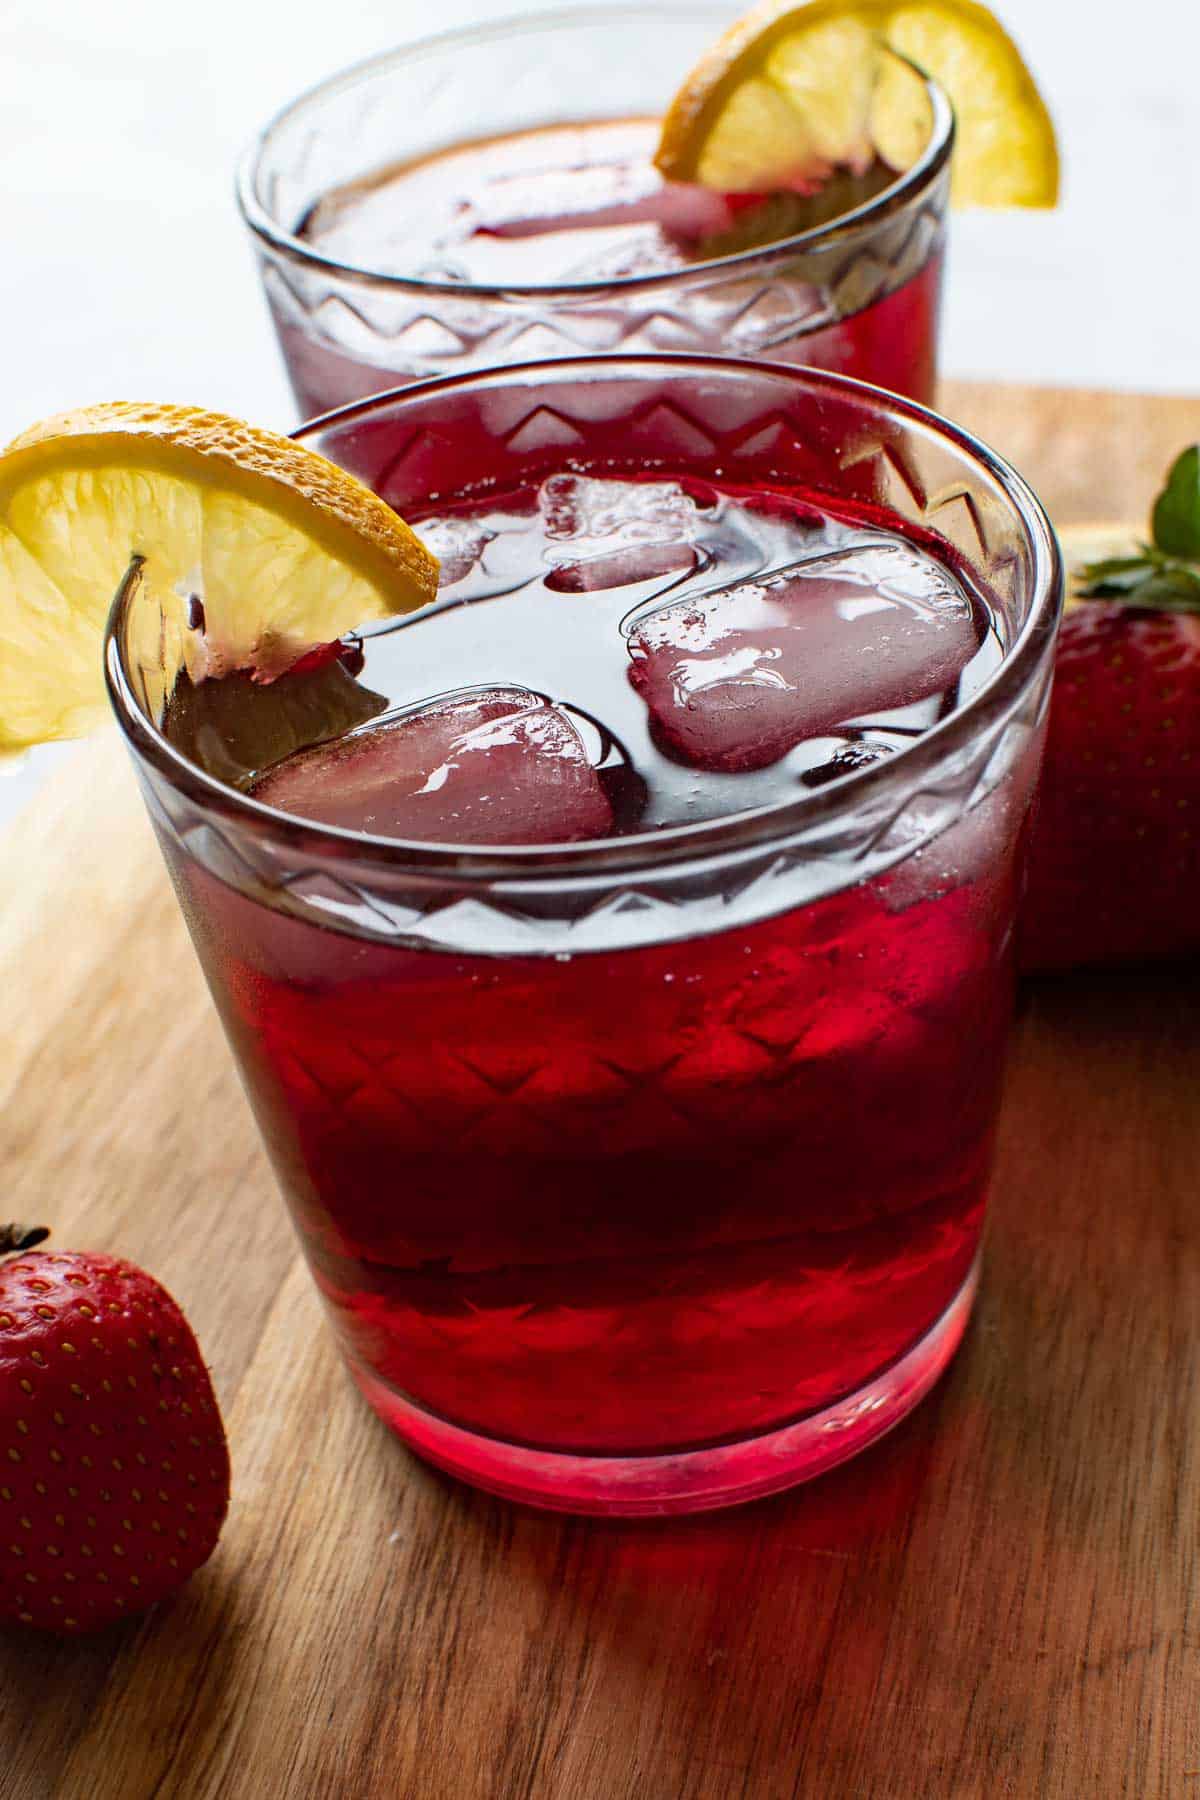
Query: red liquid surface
[571, 205]
[566, 203]
[637, 1200]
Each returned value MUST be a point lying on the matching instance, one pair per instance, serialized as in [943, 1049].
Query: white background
[123, 271]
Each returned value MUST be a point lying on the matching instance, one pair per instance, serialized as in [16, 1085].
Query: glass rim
[260, 222]
[746, 831]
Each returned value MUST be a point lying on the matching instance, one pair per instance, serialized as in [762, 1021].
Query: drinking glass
[860, 295]
[649, 1174]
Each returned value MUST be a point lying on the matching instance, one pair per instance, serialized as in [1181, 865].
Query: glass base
[686, 1481]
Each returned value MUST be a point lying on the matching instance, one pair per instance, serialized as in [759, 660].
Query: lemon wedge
[790, 90]
[253, 549]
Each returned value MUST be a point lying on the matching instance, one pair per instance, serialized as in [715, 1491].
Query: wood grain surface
[998, 1600]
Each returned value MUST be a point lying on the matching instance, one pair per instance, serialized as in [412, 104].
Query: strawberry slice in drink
[495, 766]
[736, 678]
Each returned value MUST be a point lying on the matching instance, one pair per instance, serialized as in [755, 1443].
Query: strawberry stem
[21, 1237]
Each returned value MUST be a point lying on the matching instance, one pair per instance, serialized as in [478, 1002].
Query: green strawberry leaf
[1164, 576]
[1116, 575]
[1152, 581]
[1175, 587]
[1176, 518]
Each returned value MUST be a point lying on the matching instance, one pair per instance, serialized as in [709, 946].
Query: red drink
[584, 204]
[659, 1194]
[394, 247]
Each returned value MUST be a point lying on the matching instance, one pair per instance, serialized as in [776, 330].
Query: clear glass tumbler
[643, 1175]
[860, 295]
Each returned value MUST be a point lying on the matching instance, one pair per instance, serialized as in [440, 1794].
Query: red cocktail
[618, 954]
[429, 212]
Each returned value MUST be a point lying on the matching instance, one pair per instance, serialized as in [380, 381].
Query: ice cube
[457, 542]
[736, 678]
[532, 203]
[643, 251]
[493, 766]
[624, 787]
[590, 509]
[617, 533]
[844, 761]
[482, 552]
[622, 568]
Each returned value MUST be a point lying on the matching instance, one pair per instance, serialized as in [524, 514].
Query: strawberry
[1115, 857]
[1115, 854]
[114, 1470]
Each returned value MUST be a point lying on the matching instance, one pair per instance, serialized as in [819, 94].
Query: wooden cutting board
[1001, 1599]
